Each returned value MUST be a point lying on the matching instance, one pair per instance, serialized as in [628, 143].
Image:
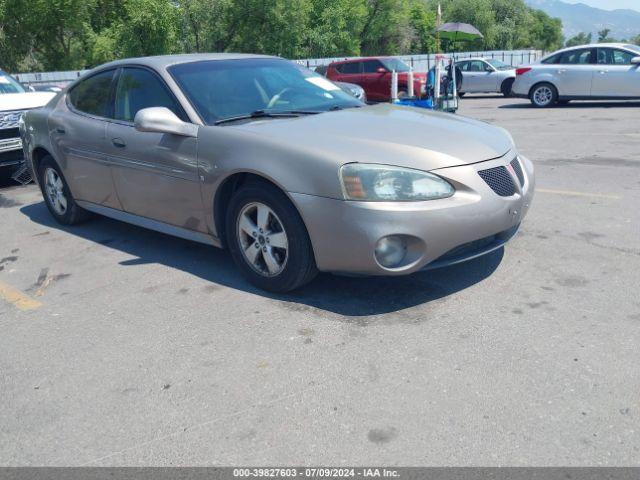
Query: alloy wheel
[263, 239]
[543, 96]
[54, 189]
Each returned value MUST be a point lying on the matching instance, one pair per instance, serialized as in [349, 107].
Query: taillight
[522, 71]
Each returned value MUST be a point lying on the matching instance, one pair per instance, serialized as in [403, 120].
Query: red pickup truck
[373, 74]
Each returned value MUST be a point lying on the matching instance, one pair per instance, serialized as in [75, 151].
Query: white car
[15, 100]
[605, 71]
[486, 75]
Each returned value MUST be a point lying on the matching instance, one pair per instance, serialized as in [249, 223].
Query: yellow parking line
[578, 194]
[17, 298]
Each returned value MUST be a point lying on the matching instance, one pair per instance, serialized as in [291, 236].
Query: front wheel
[544, 95]
[268, 240]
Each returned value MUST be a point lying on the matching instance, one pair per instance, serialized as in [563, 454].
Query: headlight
[384, 183]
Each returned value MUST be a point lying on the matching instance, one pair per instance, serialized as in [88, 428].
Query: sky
[609, 4]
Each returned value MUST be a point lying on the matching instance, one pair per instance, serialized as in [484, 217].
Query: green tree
[73, 34]
[149, 27]
[334, 28]
[580, 39]
[385, 30]
[423, 22]
[603, 36]
[54, 32]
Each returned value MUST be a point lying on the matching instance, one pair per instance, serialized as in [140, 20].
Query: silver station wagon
[278, 165]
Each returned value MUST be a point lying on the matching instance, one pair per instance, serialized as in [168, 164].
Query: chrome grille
[515, 164]
[499, 180]
[11, 119]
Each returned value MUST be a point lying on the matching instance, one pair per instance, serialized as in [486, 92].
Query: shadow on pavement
[348, 296]
[576, 104]
[471, 96]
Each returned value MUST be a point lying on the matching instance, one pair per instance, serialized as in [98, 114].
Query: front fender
[225, 151]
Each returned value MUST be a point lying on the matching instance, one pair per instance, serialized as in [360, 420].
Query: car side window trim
[182, 113]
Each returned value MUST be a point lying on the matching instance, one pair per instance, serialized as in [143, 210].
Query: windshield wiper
[267, 114]
[335, 108]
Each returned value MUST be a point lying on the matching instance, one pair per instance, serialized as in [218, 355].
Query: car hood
[388, 134]
[24, 101]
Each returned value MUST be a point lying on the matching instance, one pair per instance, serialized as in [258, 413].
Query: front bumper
[11, 154]
[473, 222]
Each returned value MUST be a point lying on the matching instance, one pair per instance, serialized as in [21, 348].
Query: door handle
[561, 71]
[60, 130]
[118, 142]
[603, 72]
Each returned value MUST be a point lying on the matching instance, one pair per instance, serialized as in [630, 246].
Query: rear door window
[553, 59]
[371, 66]
[349, 68]
[576, 57]
[93, 95]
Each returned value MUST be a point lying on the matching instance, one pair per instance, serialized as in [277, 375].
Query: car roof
[361, 59]
[161, 62]
[592, 45]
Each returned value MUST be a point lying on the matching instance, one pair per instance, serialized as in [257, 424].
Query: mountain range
[578, 17]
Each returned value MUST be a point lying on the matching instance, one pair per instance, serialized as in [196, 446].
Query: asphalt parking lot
[121, 346]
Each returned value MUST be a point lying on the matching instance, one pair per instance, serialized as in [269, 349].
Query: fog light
[391, 251]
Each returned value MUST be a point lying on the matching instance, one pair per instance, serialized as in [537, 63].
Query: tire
[57, 195]
[506, 87]
[543, 95]
[402, 94]
[461, 94]
[252, 234]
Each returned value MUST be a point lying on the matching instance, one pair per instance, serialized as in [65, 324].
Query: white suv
[605, 71]
[14, 101]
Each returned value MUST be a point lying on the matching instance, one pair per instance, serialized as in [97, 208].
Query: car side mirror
[635, 61]
[163, 120]
[381, 70]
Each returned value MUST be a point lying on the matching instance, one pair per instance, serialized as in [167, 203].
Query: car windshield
[395, 64]
[226, 89]
[498, 65]
[9, 85]
[635, 48]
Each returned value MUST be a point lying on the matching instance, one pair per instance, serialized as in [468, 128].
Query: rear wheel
[543, 95]
[268, 240]
[506, 87]
[57, 195]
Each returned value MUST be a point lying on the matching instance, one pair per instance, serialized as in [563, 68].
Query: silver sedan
[605, 71]
[486, 75]
[278, 165]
